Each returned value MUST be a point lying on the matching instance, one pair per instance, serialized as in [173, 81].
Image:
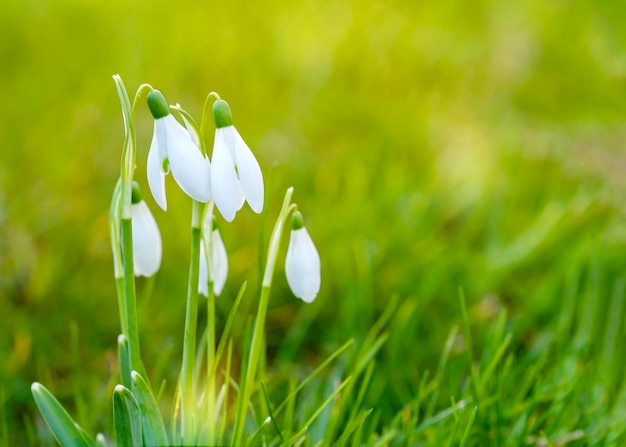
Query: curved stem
[211, 96]
[127, 170]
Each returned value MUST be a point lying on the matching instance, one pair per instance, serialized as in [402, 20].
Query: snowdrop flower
[236, 175]
[147, 248]
[172, 148]
[219, 259]
[302, 265]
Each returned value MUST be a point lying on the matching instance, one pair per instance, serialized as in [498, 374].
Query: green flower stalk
[122, 209]
[256, 344]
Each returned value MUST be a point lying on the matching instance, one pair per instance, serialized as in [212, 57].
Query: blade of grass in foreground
[4, 425]
[126, 418]
[355, 424]
[152, 422]
[269, 410]
[304, 429]
[63, 427]
[311, 376]
[468, 427]
[101, 440]
[124, 360]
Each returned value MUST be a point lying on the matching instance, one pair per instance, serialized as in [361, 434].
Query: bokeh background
[432, 146]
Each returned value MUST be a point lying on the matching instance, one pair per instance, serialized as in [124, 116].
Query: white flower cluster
[231, 178]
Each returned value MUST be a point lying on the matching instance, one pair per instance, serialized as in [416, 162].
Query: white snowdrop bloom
[173, 148]
[236, 174]
[302, 264]
[219, 260]
[147, 246]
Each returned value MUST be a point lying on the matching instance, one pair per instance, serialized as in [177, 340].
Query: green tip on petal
[222, 114]
[136, 194]
[157, 104]
[297, 221]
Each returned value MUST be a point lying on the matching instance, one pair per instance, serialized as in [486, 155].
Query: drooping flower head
[172, 148]
[212, 243]
[147, 247]
[236, 174]
[302, 264]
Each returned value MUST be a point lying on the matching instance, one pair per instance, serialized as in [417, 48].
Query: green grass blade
[612, 337]
[355, 424]
[228, 325]
[255, 440]
[77, 377]
[241, 406]
[318, 411]
[224, 421]
[494, 361]
[59, 421]
[439, 374]
[269, 411]
[468, 427]
[444, 414]
[367, 356]
[126, 418]
[124, 360]
[153, 428]
[101, 440]
[468, 343]
[311, 376]
[4, 424]
[361, 394]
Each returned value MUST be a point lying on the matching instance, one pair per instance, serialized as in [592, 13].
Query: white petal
[147, 248]
[249, 172]
[219, 265]
[188, 165]
[203, 276]
[156, 177]
[302, 266]
[160, 135]
[224, 183]
[219, 262]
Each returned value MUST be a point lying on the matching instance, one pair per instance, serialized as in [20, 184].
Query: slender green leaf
[256, 437]
[126, 418]
[101, 440]
[59, 421]
[468, 427]
[152, 423]
[355, 424]
[123, 356]
[311, 376]
[227, 326]
[494, 361]
[4, 425]
[269, 410]
[318, 411]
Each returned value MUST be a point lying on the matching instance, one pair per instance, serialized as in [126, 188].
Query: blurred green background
[432, 146]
